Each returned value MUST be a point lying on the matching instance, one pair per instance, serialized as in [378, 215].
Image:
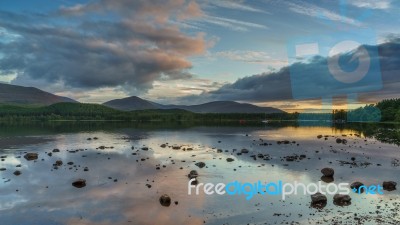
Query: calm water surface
[118, 187]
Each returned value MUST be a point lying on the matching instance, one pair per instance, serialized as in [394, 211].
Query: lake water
[124, 182]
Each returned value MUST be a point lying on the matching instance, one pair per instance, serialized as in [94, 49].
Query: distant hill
[229, 107]
[130, 103]
[13, 94]
[136, 103]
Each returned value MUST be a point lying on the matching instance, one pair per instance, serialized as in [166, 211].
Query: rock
[56, 150]
[59, 163]
[86, 169]
[145, 148]
[244, 151]
[31, 156]
[319, 136]
[327, 179]
[328, 172]
[17, 173]
[341, 200]
[318, 200]
[356, 187]
[229, 160]
[176, 147]
[80, 183]
[165, 200]
[3, 169]
[200, 164]
[389, 185]
[163, 146]
[338, 140]
[290, 158]
[193, 174]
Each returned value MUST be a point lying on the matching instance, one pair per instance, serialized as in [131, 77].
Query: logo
[340, 63]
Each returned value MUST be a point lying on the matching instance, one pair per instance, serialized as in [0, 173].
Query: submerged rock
[229, 160]
[328, 172]
[200, 164]
[327, 179]
[56, 150]
[80, 183]
[193, 174]
[318, 200]
[389, 185]
[356, 187]
[176, 147]
[165, 200]
[341, 200]
[194, 182]
[31, 156]
[244, 151]
[17, 173]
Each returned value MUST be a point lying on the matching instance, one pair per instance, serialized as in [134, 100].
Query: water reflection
[118, 181]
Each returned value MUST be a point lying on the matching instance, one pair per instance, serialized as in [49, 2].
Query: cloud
[129, 48]
[312, 10]
[277, 86]
[371, 4]
[169, 92]
[233, 24]
[244, 56]
[257, 57]
[237, 5]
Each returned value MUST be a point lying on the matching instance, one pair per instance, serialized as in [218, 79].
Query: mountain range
[13, 94]
[136, 103]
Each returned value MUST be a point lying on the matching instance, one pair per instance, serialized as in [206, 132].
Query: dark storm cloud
[118, 50]
[277, 86]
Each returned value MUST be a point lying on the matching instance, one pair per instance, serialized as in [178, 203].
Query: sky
[190, 52]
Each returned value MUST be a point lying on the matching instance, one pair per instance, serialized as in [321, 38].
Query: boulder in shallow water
[389, 185]
[356, 187]
[341, 200]
[31, 156]
[80, 183]
[318, 200]
[193, 174]
[229, 160]
[165, 200]
[244, 151]
[200, 164]
[328, 172]
[327, 179]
